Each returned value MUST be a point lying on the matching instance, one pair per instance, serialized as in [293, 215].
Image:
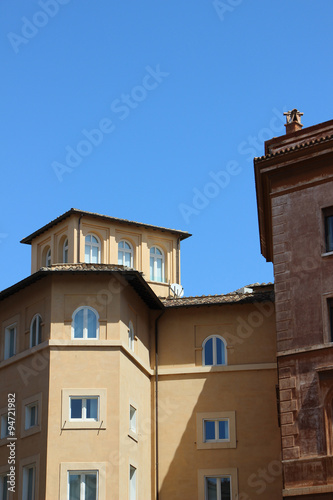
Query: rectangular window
[4, 425]
[330, 318]
[132, 483]
[4, 487]
[84, 408]
[218, 488]
[29, 482]
[216, 430]
[82, 485]
[133, 419]
[10, 341]
[31, 415]
[329, 230]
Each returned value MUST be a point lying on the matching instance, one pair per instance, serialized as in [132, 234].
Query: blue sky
[153, 111]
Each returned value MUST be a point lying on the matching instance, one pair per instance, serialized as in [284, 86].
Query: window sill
[133, 435]
[30, 431]
[327, 254]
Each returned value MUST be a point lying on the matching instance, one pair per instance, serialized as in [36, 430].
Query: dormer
[78, 236]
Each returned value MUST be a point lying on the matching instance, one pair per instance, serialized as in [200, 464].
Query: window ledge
[326, 254]
[133, 435]
[30, 431]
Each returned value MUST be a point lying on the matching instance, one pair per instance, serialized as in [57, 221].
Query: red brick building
[294, 183]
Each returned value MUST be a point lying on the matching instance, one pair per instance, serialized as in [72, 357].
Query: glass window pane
[219, 351]
[120, 257]
[92, 324]
[74, 486]
[92, 408]
[91, 486]
[30, 489]
[39, 330]
[12, 342]
[94, 255]
[126, 245]
[223, 429]
[211, 488]
[209, 429]
[127, 259]
[87, 254]
[329, 233]
[94, 239]
[157, 251]
[158, 269]
[152, 268]
[33, 333]
[225, 488]
[78, 325]
[132, 483]
[209, 352]
[32, 415]
[4, 487]
[76, 408]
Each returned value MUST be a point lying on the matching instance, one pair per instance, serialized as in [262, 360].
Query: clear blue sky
[180, 91]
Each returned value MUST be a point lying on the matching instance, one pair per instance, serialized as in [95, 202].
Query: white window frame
[133, 480]
[216, 424]
[84, 417]
[82, 467]
[67, 423]
[82, 474]
[24, 465]
[231, 472]
[133, 424]
[156, 257]
[131, 336]
[85, 323]
[91, 245]
[8, 331]
[39, 330]
[214, 337]
[65, 251]
[218, 486]
[202, 443]
[124, 251]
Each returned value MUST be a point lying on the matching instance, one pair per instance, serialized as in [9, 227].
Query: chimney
[293, 121]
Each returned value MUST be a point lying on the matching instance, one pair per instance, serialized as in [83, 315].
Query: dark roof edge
[203, 302]
[28, 239]
[134, 278]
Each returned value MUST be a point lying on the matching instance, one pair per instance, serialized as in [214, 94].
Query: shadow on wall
[256, 455]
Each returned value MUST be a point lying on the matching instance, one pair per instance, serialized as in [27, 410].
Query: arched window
[48, 257]
[131, 336]
[92, 250]
[156, 264]
[65, 251]
[36, 330]
[125, 253]
[85, 323]
[214, 351]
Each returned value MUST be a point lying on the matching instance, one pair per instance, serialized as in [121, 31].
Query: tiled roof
[229, 298]
[301, 145]
[28, 239]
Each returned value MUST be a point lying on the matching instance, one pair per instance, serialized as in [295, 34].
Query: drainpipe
[79, 239]
[156, 404]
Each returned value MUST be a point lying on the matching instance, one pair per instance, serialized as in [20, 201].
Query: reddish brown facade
[294, 182]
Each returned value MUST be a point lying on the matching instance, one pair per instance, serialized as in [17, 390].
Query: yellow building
[115, 387]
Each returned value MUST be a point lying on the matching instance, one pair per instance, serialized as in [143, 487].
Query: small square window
[31, 415]
[82, 485]
[216, 431]
[4, 426]
[85, 409]
[133, 419]
[10, 342]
